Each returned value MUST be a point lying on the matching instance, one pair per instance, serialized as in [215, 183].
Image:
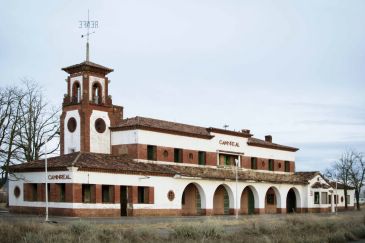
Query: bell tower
[88, 110]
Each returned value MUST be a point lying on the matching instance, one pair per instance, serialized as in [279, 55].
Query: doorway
[123, 200]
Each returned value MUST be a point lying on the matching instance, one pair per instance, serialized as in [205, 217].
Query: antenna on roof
[94, 24]
[225, 126]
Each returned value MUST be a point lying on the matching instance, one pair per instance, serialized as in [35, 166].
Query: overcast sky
[292, 69]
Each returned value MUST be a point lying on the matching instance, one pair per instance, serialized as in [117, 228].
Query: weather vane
[93, 24]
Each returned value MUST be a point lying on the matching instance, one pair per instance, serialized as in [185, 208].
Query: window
[33, 195]
[143, 194]
[165, 154]
[16, 191]
[324, 197]
[96, 93]
[336, 199]
[171, 195]
[48, 191]
[254, 163]
[86, 193]
[71, 124]
[178, 155]
[287, 166]
[62, 190]
[202, 157]
[100, 125]
[227, 159]
[151, 152]
[107, 193]
[348, 199]
[329, 199]
[316, 197]
[271, 164]
[76, 93]
[270, 199]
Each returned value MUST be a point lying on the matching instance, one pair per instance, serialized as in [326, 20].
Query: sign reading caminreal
[229, 143]
[59, 177]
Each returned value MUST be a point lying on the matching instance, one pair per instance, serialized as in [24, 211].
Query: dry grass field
[344, 227]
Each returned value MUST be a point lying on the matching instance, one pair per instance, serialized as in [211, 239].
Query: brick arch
[76, 91]
[248, 195]
[293, 200]
[192, 200]
[223, 200]
[96, 92]
[272, 200]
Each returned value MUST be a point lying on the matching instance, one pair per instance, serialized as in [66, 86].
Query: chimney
[268, 138]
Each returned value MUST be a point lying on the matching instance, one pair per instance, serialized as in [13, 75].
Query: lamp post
[46, 176]
[236, 160]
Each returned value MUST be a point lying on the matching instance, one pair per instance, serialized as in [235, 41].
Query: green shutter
[202, 158]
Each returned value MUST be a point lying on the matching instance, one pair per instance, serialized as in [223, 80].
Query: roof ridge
[76, 159]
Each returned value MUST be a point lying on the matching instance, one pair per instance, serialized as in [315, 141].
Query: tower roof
[87, 66]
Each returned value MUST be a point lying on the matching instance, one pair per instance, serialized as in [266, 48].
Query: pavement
[10, 217]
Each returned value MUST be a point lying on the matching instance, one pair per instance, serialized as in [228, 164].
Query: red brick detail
[246, 162]
[281, 210]
[67, 211]
[116, 192]
[259, 211]
[165, 154]
[62, 131]
[55, 192]
[97, 193]
[211, 159]
[155, 212]
[40, 192]
[73, 193]
[207, 212]
[133, 194]
[292, 166]
[151, 195]
[139, 151]
[262, 164]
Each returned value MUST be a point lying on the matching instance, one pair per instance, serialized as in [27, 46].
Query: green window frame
[143, 194]
[178, 155]
[86, 193]
[287, 166]
[254, 163]
[106, 193]
[271, 165]
[62, 187]
[151, 152]
[202, 157]
[34, 195]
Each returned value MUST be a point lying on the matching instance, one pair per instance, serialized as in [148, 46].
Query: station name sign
[59, 177]
[229, 143]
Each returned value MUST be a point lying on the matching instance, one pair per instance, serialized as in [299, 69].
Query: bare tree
[10, 102]
[340, 171]
[357, 176]
[38, 122]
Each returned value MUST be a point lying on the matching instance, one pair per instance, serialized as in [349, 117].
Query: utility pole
[46, 176]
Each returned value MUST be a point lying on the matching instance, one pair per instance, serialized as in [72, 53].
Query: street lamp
[236, 161]
[46, 174]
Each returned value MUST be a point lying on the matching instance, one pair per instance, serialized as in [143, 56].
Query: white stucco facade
[192, 143]
[72, 139]
[162, 185]
[99, 142]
